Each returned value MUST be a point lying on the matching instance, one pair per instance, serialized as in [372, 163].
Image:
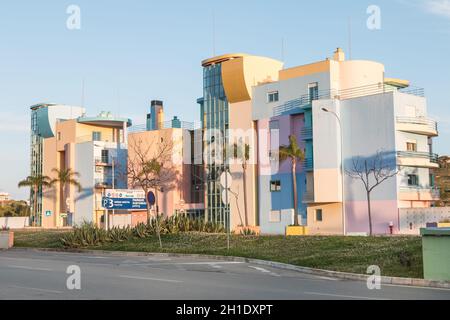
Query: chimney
[155, 119]
[339, 55]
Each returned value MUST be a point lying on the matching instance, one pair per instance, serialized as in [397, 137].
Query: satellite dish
[226, 196]
[226, 180]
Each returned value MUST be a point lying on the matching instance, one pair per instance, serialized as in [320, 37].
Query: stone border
[412, 282]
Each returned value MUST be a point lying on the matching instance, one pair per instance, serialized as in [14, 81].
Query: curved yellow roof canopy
[240, 72]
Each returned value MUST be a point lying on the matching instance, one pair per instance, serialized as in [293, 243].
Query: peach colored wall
[331, 223]
[170, 200]
[60, 153]
[242, 127]
[357, 73]
[50, 199]
[327, 185]
[301, 71]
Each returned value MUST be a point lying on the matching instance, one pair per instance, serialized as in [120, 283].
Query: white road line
[208, 263]
[151, 279]
[327, 278]
[413, 287]
[259, 269]
[342, 296]
[29, 268]
[37, 289]
[265, 271]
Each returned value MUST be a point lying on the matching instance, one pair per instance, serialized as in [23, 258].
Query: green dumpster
[436, 253]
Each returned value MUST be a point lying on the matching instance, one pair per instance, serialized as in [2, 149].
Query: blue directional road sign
[124, 203]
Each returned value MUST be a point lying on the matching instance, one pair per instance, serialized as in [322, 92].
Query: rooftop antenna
[82, 93]
[118, 102]
[350, 38]
[214, 32]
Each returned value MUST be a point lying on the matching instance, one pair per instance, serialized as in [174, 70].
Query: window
[272, 96]
[413, 180]
[275, 186]
[411, 146]
[432, 180]
[59, 136]
[105, 156]
[319, 215]
[313, 89]
[96, 136]
[275, 216]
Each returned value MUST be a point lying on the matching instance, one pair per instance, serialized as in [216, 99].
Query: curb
[411, 282]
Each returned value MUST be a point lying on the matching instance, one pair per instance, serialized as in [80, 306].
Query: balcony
[106, 183]
[308, 164]
[308, 197]
[102, 138]
[102, 162]
[305, 101]
[418, 125]
[417, 193]
[417, 159]
[306, 133]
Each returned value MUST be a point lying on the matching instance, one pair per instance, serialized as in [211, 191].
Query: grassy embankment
[396, 256]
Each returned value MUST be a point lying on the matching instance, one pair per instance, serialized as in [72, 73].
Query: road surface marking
[413, 287]
[208, 263]
[151, 279]
[265, 271]
[29, 268]
[259, 269]
[342, 296]
[37, 289]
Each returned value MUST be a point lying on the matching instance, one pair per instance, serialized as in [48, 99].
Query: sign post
[225, 181]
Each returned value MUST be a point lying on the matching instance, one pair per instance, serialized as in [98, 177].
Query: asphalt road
[43, 275]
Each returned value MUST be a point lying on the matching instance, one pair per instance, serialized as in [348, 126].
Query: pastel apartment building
[64, 137]
[181, 192]
[376, 114]
[256, 101]
[339, 110]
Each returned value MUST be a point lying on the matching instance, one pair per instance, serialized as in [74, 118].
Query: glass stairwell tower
[215, 123]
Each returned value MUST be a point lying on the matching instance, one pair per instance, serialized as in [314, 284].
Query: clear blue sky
[130, 52]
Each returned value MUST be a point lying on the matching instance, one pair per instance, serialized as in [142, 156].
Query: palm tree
[35, 182]
[293, 152]
[243, 152]
[66, 177]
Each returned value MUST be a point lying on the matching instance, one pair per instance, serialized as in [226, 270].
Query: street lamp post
[344, 227]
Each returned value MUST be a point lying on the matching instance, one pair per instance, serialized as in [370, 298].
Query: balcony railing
[102, 160]
[305, 100]
[431, 124]
[308, 164]
[435, 192]
[167, 125]
[306, 133]
[422, 155]
[104, 183]
[102, 138]
[308, 196]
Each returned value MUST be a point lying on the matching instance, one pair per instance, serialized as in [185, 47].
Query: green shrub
[89, 234]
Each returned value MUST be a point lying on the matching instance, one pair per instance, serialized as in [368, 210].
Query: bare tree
[150, 168]
[372, 172]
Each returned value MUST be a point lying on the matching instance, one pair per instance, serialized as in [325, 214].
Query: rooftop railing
[167, 125]
[344, 94]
